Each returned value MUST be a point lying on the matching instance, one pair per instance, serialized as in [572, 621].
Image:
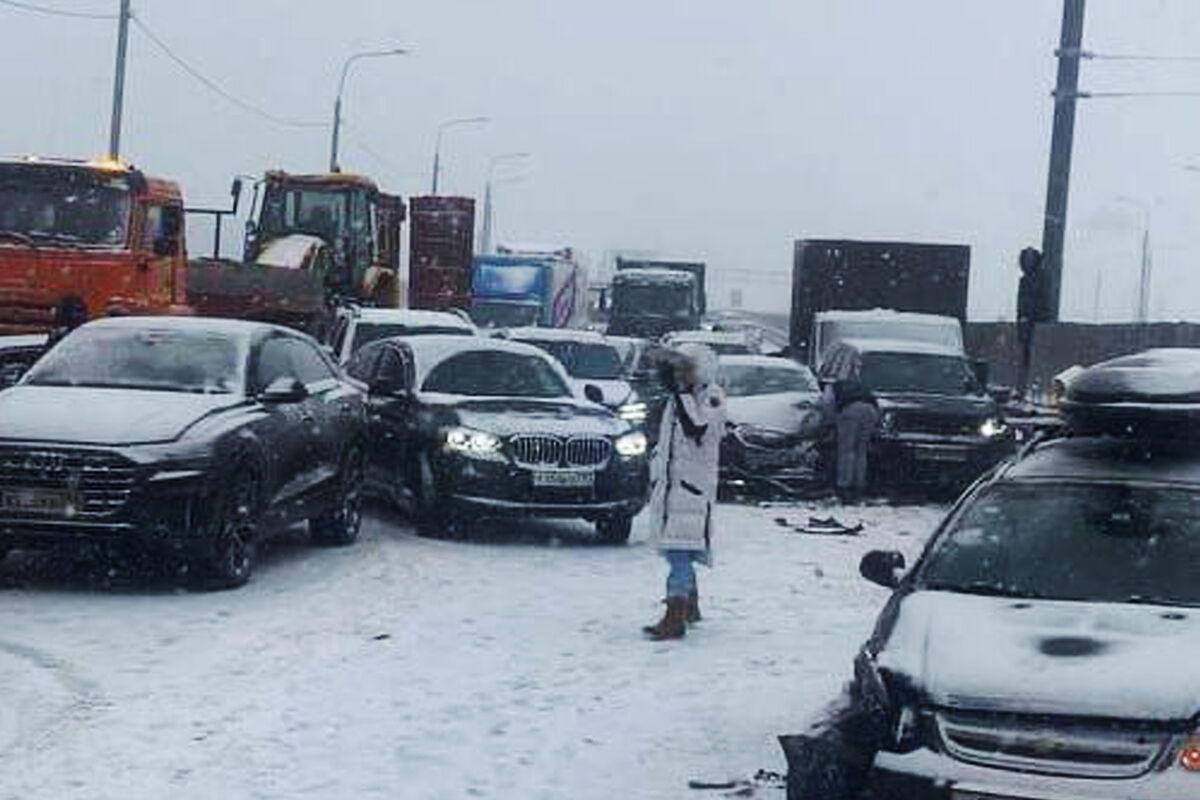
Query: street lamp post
[337, 106]
[1143, 306]
[486, 237]
[437, 150]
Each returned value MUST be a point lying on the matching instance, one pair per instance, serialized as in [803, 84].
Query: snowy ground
[505, 667]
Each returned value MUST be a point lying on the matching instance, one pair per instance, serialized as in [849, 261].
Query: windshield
[74, 207]
[367, 332]
[919, 373]
[492, 373]
[161, 359]
[504, 315]
[1099, 542]
[945, 333]
[652, 300]
[319, 212]
[743, 380]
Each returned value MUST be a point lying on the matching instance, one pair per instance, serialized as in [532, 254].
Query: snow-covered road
[506, 667]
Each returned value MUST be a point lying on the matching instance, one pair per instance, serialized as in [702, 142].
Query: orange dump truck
[108, 235]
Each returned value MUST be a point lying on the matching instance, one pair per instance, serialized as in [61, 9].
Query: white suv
[357, 326]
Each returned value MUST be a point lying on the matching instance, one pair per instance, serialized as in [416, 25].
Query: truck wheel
[235, 531]
[340, 525]
[615, 529]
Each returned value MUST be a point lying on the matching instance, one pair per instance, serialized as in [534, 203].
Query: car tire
[235, 530]
[615, 529]
[341, 524]
[434, 514]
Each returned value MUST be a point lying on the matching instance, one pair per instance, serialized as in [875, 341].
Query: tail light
[1189, 754]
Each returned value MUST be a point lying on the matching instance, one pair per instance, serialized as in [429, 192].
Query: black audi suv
[190, 437]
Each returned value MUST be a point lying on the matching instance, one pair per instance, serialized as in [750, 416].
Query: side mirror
[284, 390]
[594, 393]
[880, 566]
[983, 373]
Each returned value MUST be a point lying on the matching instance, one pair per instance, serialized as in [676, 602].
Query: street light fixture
[337, 106]
[486, 236]
[437, 150]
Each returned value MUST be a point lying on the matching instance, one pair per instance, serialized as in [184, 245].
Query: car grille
[937, 424]
[548, 452]
[1052, 745]
[102, 482]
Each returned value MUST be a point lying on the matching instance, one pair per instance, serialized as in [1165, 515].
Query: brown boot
[673, 624]
[693, 608]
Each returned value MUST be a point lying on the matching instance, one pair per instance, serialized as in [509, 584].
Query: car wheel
[615, 529]
[340, 525]
[235, 531]
[435, 516]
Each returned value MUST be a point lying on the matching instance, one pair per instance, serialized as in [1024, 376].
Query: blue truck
[520, 287]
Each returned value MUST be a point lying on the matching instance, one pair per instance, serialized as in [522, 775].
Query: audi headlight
[992, 427]
[632, 412]
[631, 445]
[474, 444]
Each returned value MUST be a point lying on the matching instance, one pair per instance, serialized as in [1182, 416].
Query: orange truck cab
[100, 232]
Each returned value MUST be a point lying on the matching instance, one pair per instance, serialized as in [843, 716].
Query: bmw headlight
[887, 423]
[631, 445]
[992, 427]
[632, 412]
[474, 444]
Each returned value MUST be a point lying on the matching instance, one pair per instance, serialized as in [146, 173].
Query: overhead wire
[56, 12]
[216, 88]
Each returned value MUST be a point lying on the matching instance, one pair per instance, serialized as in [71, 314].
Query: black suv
[1045, 644]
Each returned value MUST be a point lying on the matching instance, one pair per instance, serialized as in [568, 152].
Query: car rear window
[492, 373]
[367, 332]
[1094, 542]
[742, 380]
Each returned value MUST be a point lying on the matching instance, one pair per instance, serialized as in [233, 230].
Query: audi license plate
[569, 479]
[34, 501]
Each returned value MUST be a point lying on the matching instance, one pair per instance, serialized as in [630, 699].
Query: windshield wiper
[18, 236]
[1143, 600]
[985, 588]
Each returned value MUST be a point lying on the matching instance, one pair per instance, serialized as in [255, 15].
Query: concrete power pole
[1066, 92]
[114, 136]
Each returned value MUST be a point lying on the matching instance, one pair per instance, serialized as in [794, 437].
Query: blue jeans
[681, 580]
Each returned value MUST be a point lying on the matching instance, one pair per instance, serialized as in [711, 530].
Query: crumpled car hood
[1053, 657]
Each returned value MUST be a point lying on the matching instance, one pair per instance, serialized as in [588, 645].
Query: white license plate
[34, 501]
[573, 479]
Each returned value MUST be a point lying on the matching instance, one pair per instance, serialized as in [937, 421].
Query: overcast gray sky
[690, 127]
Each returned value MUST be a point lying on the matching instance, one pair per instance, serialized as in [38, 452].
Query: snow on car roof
[413, 317]
[654, 274]
[22, 340]
[886, 314]
[774, 362]
[1106, 459]
[723, 337]
[232, 327]
[554, 334]
[900, 346]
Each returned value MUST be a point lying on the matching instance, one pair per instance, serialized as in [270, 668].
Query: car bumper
[167, 515]
[621, 487]
[927, 775]
[924, 456]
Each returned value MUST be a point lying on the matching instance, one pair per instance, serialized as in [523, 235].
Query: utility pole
[114, 135]
[1066, 92]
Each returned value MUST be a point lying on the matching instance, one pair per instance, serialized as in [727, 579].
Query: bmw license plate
[34, 501]
[565, 479]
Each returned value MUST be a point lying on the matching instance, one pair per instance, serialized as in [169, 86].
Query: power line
[56, 12]
[216, 88]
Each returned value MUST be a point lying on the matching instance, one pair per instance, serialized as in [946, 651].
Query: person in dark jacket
[856, 417]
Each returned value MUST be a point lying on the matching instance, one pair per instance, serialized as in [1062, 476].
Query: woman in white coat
[684, 480]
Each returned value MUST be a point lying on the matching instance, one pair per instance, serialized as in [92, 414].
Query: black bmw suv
[465, 426]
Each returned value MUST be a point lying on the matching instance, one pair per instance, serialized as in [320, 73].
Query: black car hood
[81, 415]
[1052, 657]
[508, 416]
[950, 405]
